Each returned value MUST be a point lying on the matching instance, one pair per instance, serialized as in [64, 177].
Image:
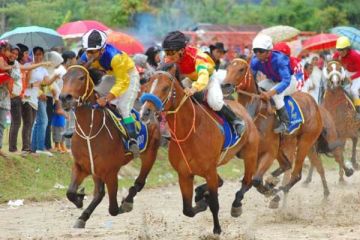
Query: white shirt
[312, 85]
[16, 75]
[31, 94]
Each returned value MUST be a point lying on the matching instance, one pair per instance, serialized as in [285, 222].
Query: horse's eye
[82, 78]
[241, 70]
[165, 89]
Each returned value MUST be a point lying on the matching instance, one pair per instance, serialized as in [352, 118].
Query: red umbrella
[125, 43]
[320, 42]
[78, 28]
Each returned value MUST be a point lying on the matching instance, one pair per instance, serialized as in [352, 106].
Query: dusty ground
[158, 215]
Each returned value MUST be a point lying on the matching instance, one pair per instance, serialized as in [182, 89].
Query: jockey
[350, 59]
[199, 67]
[280, 82]
[126, 78]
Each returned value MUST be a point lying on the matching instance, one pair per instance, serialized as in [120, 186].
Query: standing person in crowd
[350, 59]
[126, 79]
[16, 94]
[313, 81]
[5, 68]
[4, 109]
[153, 56]
[217, 52]
[246, 51]
[35, 105]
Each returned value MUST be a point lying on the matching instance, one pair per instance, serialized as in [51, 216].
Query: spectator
[153, 56]
[246, 51]
[217, 52]
[4, 109]
[16, 103]
[5, 68]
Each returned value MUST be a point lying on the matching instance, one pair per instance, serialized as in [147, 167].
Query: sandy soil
[157, 214]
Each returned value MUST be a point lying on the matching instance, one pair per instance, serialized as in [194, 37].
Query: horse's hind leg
[112, 187]
[76, 179]
[148, 159]
[99, 193]
[309, 176]
[339, 158]
[316, 161]
[353, 155]
[212, 198]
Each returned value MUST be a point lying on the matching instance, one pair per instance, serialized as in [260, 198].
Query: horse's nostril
[65, 97]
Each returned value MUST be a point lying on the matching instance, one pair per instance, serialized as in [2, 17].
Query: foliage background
[159, 16]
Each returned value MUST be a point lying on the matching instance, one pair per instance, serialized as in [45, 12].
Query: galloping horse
[196, 145]
[98, 147]
[285, 147]
[340, 106]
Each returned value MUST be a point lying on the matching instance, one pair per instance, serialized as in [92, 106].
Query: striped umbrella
[281, 33]
[352, 33]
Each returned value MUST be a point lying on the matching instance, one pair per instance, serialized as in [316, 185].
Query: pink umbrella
[78, 28]
[320, 42]
[125, 43]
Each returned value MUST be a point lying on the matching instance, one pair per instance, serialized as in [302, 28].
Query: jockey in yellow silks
[126, 86]
[199, 67]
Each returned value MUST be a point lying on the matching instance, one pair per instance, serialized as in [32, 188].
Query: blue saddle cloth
[230, 135]
[142, 131]
[295, 114]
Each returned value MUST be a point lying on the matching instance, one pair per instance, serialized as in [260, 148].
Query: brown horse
[98, 147]
[337, 102]
[196, 145]
[284, 148]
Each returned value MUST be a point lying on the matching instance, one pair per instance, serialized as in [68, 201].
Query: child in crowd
[5, 68]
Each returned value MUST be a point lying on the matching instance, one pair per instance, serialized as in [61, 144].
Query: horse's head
[78, 86]
[334, 73]
[160, 93]
[237, 75]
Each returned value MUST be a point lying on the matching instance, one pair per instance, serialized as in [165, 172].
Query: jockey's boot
[133, 145]
[235, 120]
[284, 121]
[357, 112]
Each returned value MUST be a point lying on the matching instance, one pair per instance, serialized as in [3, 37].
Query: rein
[82, 101]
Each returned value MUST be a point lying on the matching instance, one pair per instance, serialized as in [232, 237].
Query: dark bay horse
[196, 145]
[284, 148]
[339, 105]
[98, 149]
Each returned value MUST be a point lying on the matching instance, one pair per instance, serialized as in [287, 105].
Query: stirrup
[281, 129]
[239, 126]
[133, 147]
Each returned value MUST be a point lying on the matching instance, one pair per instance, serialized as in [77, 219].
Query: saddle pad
[230, 135]
[295, 114]
[142, 130]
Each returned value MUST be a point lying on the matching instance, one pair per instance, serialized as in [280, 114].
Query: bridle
[89, 87]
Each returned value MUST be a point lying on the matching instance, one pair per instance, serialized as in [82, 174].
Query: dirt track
[157, 214]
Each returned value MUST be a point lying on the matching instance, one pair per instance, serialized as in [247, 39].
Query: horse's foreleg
[99, 193]
[353, 155]
[112, 187]
[250, 164]
[212, 198]
[148, 159]
[76, 179]
[316, 162]
[265, 162]
[186, 186]
[339, 158]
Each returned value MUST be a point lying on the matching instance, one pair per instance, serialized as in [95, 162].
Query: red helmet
[282, 47]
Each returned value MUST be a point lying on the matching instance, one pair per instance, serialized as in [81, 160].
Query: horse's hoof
[79, 223]
[200, 206]
[271, 180]
[306, 183]
[125, 207]
[274, 203]
[355, 165]
[326, 194]
[348, 172]
[236, 211]
[217, 231]
[256, 182]
[271, 192]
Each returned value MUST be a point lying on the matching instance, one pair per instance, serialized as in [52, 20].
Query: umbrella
[125, 43]
[78, 28]
[34, 36]
[320, 42]
[281, 33]
[352, 33]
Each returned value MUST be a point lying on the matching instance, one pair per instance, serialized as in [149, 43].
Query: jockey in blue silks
[279, 81]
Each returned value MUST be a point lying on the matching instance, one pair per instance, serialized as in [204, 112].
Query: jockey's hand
[267, 95]
[190, 91]
[102, 101]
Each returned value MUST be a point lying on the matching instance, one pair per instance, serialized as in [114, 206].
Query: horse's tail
[323, 146]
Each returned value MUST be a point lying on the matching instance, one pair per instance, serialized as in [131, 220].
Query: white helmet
[263, 42]
[94, 39]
